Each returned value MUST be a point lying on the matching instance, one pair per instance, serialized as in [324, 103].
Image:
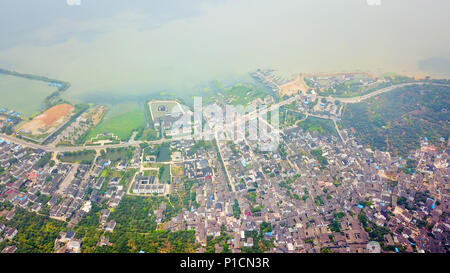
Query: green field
[241, 94]
[322, 126]
[151, 173]
[163, 153]
[164, 174]
[83, 157]
[121, 125]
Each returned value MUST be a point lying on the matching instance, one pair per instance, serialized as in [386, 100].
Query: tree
[7, 129]
[236, 209]
[12, 160]
[265, 227]
[143, 145]
[325, 250]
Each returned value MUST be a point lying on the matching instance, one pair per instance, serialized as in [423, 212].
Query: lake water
[23, 95]
[117, 52]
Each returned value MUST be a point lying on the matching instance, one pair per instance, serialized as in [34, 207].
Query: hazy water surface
[114, 51]
[22, 95]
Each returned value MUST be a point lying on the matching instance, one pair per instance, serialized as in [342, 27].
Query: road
[63, 149]
[233, 188]
[362, 98]
[378, 92]
[249, 116]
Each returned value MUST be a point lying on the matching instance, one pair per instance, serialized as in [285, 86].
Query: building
[109, 227]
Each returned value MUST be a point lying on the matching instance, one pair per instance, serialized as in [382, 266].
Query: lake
[23, 95]
[116, 52]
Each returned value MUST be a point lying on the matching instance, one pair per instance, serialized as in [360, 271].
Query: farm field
[121, 126]
[23, 95]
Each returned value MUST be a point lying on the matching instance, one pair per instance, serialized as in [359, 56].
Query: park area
[160, 109]
[118, 126]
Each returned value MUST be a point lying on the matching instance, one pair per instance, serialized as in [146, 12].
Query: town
[321, 190]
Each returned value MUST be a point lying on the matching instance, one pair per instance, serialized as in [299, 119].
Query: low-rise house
[9, 249]
[109, 227]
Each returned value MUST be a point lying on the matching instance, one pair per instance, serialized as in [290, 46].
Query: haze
[114, 51]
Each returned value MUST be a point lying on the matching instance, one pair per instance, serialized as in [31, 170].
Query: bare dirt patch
[177, 170]
[96, 115]
[49, 120]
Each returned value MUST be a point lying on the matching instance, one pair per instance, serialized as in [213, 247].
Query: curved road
[381, 91]
[251, 115]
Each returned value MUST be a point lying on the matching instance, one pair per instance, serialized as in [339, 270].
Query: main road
[245, 118]
[380, 91]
